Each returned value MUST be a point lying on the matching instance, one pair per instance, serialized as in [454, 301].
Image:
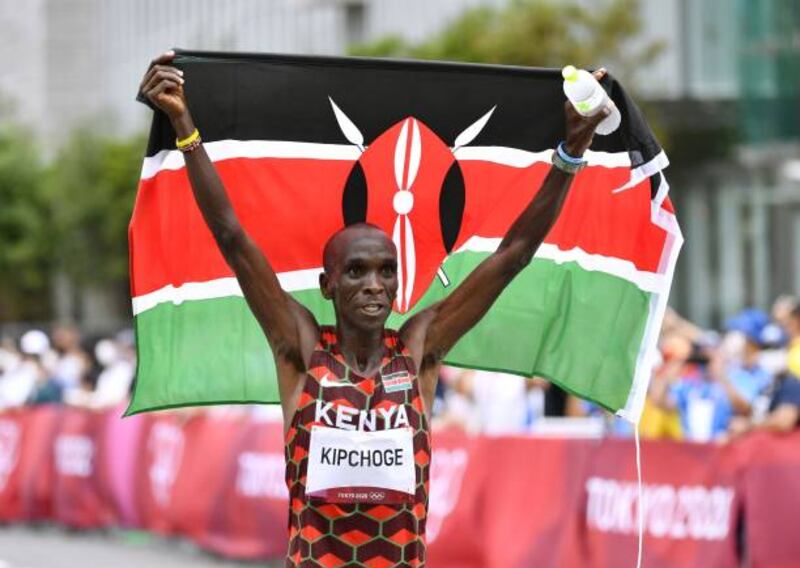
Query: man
[792, 323]
[783, 414]
[784, 410]
[708, 391]
[356, 398]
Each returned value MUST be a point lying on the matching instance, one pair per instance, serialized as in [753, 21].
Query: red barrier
[36, 464]
[495, 502]
[117, 459]
[249, 515]
[690, 505]
[78, 500]
[12, 432]
[771, 492]
[161, 449]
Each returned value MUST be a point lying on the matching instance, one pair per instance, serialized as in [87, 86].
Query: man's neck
[362, 349]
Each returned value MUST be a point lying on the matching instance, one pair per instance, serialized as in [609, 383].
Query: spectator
[26, 373]
[501, 402]
[659, 422]
[792, 323]
[458, 406]
[782, 309]
[784, 410]
[71, 363]
[746, 375]
[711, 388]
[117, 362]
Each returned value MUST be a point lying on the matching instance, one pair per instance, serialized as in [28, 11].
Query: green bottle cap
[570, 73]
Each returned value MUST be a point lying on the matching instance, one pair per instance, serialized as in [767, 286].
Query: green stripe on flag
[569, 325]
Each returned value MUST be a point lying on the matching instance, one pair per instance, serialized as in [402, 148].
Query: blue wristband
[562, 153]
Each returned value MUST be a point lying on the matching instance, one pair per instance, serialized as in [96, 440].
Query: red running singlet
[373, 533]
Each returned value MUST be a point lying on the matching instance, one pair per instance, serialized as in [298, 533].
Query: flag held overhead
[409, 156]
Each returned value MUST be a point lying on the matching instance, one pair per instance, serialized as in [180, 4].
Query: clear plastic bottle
[588, 97]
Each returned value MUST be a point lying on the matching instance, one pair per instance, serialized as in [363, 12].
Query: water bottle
[589, 98]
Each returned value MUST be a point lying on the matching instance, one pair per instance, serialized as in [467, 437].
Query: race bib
[352, 466]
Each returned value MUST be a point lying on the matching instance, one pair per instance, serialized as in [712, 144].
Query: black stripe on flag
[245, 96]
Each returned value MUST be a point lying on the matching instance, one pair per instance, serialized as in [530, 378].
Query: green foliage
[25, 236]
[543, 33]
[91, 188]
[69, 217]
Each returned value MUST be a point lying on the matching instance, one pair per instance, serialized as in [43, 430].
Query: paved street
[26, 547]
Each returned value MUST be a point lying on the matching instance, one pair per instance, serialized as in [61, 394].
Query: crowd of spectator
[64, 367]
[707, 385]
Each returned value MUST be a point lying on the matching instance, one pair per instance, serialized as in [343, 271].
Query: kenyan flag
[443, 157]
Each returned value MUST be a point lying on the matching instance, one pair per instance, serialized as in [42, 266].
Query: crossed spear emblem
[407, 157]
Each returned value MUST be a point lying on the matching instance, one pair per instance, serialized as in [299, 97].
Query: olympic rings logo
[377, 496]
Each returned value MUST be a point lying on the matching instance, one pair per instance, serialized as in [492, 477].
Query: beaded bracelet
[190, 143]
[184, 142]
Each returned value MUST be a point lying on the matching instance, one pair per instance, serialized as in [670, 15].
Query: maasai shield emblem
[409, 183]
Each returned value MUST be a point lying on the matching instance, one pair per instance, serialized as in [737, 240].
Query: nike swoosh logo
[326, 382]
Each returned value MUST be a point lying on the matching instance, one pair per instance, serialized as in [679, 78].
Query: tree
[542, 33]
[67, 219]
[91, 189]
[25, 228]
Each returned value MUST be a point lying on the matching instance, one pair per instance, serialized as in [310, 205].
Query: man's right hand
[163, 86]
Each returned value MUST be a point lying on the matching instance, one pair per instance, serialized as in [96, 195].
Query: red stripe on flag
[290, 207]
[595, 219]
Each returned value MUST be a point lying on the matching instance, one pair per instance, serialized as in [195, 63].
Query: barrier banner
[454, 508]
[206, 458]
[690, 504]
[511, 502]
[160, 452]
[36, 464]
[78, 500]
[771, 491]
[491, 512]
[249, 514]
[12, 441]
[117, 459]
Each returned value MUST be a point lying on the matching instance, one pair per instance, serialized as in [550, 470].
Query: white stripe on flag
[309, 279]
[646, 358]
[220, 288]
[229, 149]
[517, 158]
[625, 269]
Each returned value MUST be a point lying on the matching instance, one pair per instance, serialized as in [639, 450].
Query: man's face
[362, 281]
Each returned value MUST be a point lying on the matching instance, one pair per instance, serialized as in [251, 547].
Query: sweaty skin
[360, 265]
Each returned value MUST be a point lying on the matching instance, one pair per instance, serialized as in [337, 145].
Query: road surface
[52, 547]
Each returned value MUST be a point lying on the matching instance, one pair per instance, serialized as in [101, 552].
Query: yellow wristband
[181, 144]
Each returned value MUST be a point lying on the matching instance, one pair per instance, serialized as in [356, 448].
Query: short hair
[328, 252]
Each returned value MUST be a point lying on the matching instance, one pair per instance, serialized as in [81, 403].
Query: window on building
[355, 16]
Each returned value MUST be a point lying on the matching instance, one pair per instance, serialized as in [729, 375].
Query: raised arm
[437, 329]
[290, 329]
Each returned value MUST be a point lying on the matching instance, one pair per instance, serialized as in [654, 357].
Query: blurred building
[67, 61]
[733, 132]
[725, 87]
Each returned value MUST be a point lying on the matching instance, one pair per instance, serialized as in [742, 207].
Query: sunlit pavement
[51, 547]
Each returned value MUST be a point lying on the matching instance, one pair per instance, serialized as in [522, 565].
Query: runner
[357, 397]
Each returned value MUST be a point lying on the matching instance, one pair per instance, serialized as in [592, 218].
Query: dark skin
[360, 274]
